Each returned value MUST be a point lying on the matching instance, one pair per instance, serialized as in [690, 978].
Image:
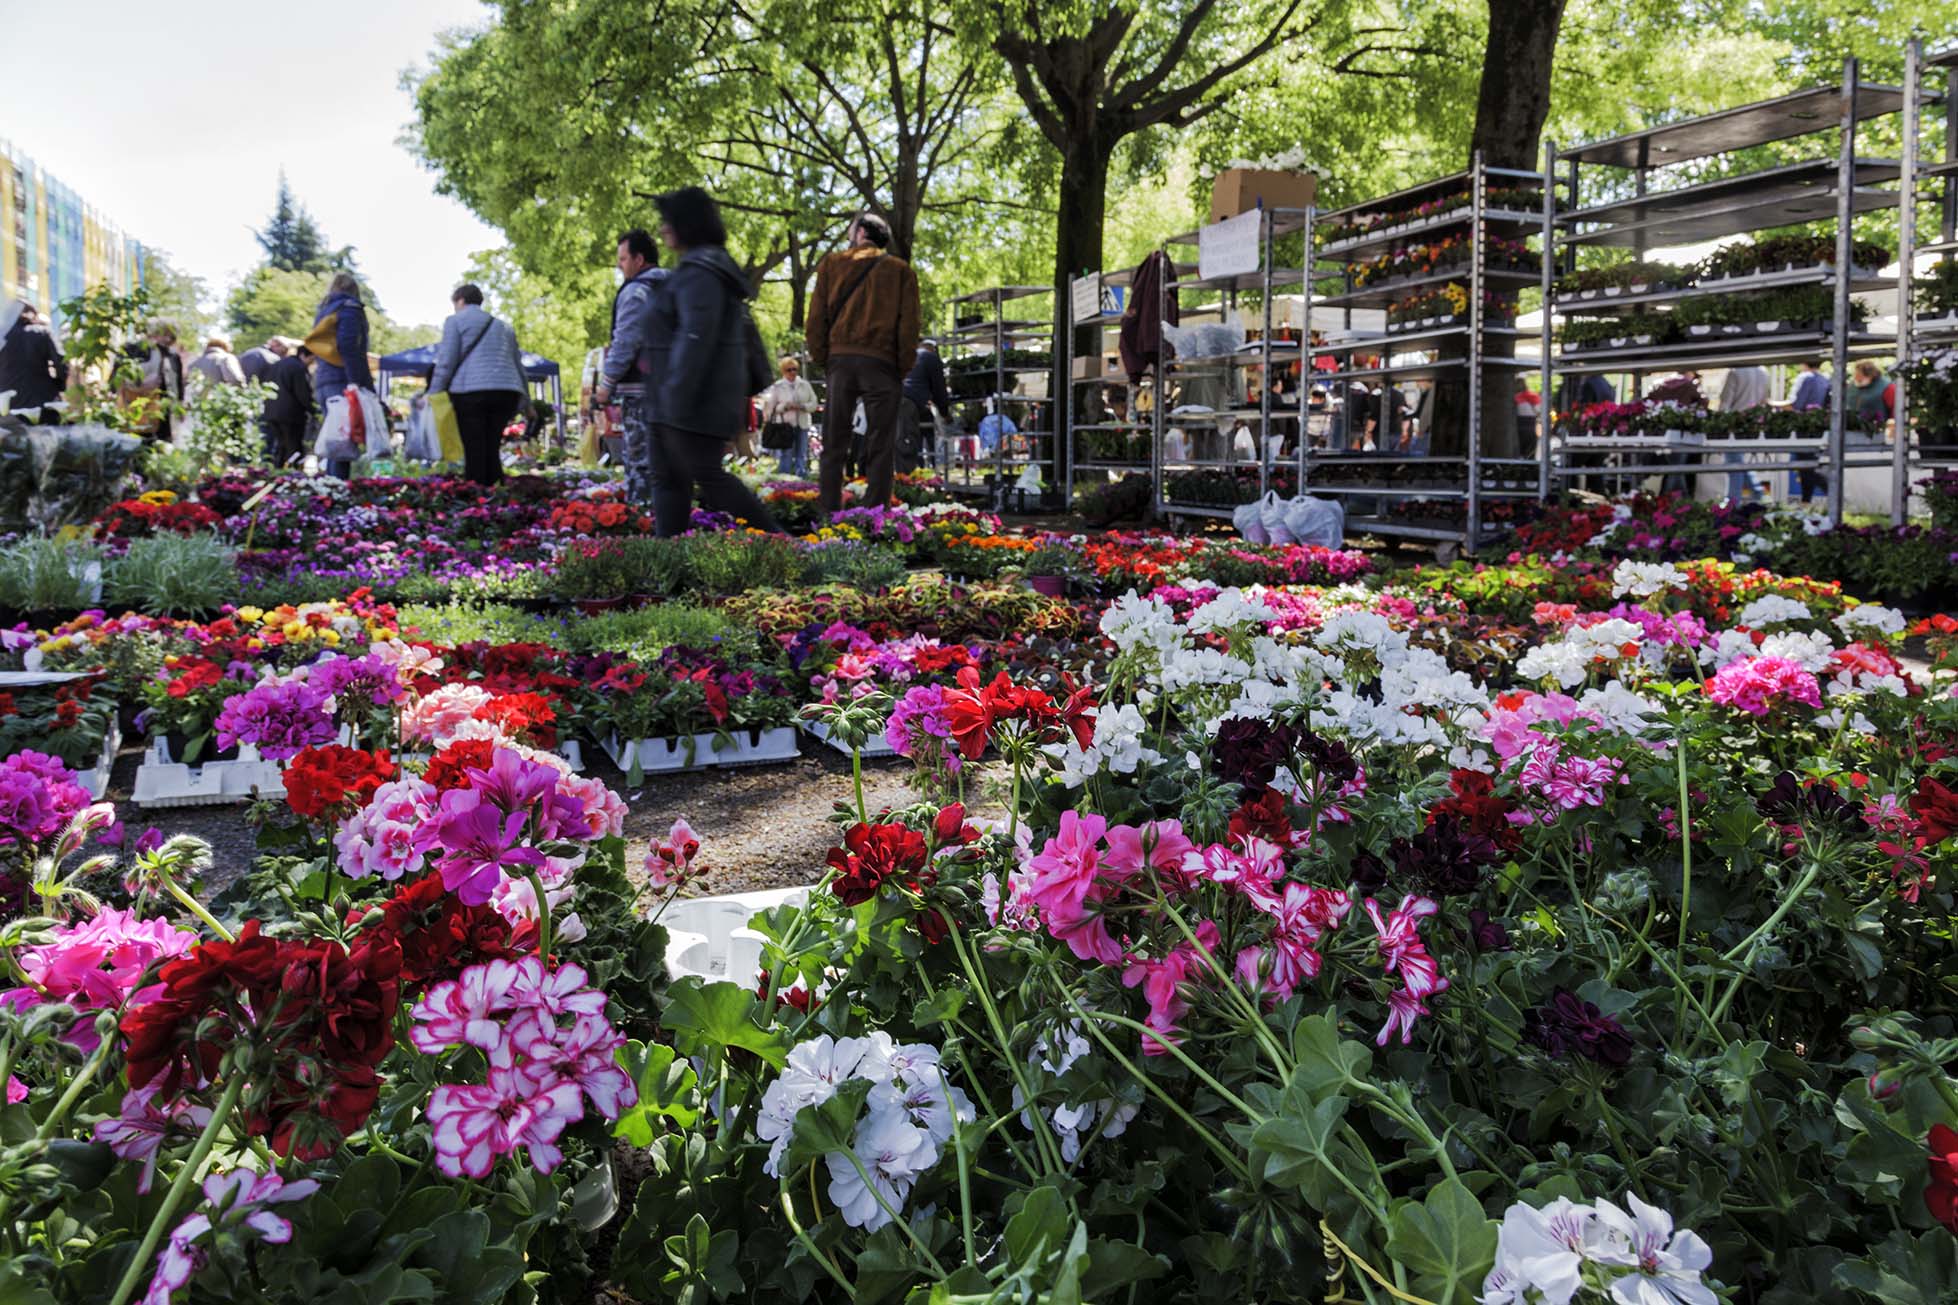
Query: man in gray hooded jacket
[628, 361]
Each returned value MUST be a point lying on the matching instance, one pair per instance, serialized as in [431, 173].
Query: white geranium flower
[1227, 611]
[1560, 661]
[1631, 579]
[1773, 609]
[1618, 708]
[814, 1070]
[1665, 1266]
[1861, 622]
[893, 1152]
[1729, 646]
[1812, 652]
[1539, 1254]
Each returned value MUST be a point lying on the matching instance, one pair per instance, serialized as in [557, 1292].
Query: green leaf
[1446, 1241]
[723, 1015]
[1324, 1060]
[1040, 1222]
[1906, 1270]
[667, 1089]
[939, 1008]
[821, 1129]
[1114, 1265]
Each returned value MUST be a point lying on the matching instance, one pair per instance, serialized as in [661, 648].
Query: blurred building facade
[54, 245]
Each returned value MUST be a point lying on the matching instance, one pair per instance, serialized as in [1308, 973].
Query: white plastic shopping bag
[1272, 509]
[1250, 522]
[1316, 521]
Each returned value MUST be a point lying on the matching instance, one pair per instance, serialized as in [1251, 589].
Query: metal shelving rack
[1259, 356]
[1918, 336]
[991, 333]
[1106, 323]
[1641, 217]
[1471, 478]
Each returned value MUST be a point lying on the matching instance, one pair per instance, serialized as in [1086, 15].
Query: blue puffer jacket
[350, 336]
[694, 336]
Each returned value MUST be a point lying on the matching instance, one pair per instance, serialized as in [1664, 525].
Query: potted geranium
[181, 706]
[1049, 568]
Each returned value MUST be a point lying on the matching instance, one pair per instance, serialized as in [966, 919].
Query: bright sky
[174, 120]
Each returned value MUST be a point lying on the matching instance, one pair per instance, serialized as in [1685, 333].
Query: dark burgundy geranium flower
[872, 854]
[1249, 752]
[1815, 806]
[1570, 1026]
[1487, 934]
[1445, 859]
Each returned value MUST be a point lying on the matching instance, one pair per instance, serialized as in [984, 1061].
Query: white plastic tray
[749, 748]
[875, 746]
[96, 778]
[709, 936]
[161, 782]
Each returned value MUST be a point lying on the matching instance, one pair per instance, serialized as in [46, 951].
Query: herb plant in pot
[1048, 568]
[593, 574]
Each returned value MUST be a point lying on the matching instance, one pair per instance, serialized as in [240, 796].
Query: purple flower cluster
[280, 717]
[38, 796]
[921, 726]
[368, 678]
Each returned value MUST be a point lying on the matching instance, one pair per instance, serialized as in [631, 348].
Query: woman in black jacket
[697, 391]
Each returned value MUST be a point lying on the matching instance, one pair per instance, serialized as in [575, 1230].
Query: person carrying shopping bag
[786, 408]
[338, 341]
[479, 366]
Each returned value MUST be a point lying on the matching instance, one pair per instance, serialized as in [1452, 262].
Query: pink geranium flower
[1756, 685]
[97, 965]
[1162, 982]
[480, 844]
[138, 1132]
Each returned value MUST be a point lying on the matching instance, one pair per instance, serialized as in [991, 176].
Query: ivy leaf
[722, 1015]
[1447, 1241]
[703, 1261]
[667, 1089]
[1028, 1232]
[1298, 1146]
[1325, 1060]
[821, 1129]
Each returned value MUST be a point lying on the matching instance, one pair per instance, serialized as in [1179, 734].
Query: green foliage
[292, 240]
[646, 632]
[456, 623]
[223, 428]
[43, 575]
[97, 324]
[174, 575]
[853, 562]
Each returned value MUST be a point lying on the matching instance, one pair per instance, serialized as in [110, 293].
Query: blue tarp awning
[421, 362]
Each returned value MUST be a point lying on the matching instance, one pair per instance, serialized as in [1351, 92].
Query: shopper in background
[479, 366]
[339, 343]
[163, 375]
[1745, 389]
[31, 365]
[217, 365]
[1864, 399]
[863, 331]
[925, 393]
[789, 403]
[1682, 388]
[628, 360]
[1811, 393]
[290, 409]
[697, 390]
[258, 361]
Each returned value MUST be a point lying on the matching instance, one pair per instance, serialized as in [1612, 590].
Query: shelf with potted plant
[1450, 293]
[1000, 338]
[1230, 384]
[1780, 296]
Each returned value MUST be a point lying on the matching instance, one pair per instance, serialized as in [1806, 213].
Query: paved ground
[759, 826]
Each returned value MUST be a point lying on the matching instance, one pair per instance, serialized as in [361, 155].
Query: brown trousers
[876, 382]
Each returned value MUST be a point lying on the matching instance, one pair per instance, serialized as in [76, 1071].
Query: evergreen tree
[291, 239]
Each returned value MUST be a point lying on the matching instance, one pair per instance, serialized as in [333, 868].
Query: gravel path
[759, 826]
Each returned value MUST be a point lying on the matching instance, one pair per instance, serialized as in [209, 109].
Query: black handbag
[779, 435]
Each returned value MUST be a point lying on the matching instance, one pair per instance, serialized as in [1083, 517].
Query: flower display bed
[1574, 917]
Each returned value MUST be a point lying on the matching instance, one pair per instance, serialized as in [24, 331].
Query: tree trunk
[798, 274]
[906, 199]
[1515, 94]
[1510, 108]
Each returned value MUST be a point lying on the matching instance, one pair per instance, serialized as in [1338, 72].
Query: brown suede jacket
[878, 319]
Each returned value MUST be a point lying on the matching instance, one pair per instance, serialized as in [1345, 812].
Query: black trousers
[684, 459]
[284, 440]
[875, 381]
[480, 419]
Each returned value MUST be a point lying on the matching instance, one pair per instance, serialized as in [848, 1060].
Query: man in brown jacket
[863, 332]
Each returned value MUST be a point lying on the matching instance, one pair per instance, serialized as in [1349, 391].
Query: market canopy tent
[537, 369]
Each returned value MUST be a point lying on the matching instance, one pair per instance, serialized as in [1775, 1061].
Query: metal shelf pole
[1546, 406]
[1479, 253]
[1906, 282]
[1845, 240]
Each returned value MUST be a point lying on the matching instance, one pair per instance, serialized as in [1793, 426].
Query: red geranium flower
[439, 935]
[193, 673]
[872, 854]
[1941, 1197]
[975, 709]
[311, 1018]
[451, 766]
[1936, 806]
[523, 716]
[332, 778]
[1481, 812]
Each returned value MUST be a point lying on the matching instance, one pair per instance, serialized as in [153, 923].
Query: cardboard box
[1239, 190]
[1091, 369]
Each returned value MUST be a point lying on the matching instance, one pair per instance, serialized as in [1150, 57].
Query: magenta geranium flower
[1756, 685]
[97, 964]
[281, 718]
[479, 843]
